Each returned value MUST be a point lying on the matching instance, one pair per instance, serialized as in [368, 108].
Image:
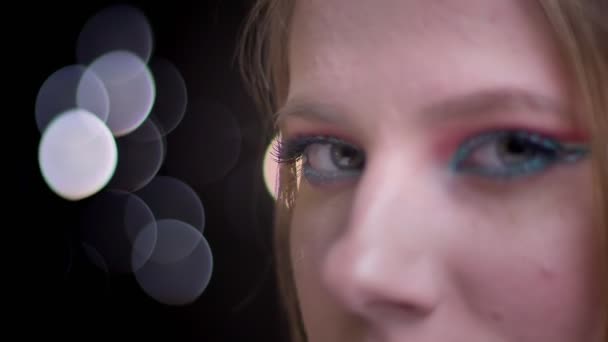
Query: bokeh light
[140, 156]
[77, 154]
[68, 88]
[181, 264]
[171, 95]
[130, 87]
[110, 223]
[271, 168]
[170, 198]
[105, 125]
[120, 27]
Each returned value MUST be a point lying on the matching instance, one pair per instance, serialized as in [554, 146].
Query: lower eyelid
[328, 178]
[520, 171]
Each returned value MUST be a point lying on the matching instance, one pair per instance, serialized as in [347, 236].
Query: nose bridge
[393, 188]
[387, 254]
[394, 203]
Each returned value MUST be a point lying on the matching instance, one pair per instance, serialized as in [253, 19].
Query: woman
[444, 166]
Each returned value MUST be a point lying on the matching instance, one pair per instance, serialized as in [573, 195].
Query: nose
[386, 264]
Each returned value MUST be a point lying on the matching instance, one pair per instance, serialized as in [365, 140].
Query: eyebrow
[495, 100]
[472, 104]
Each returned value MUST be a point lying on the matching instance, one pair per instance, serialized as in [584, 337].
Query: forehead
[395, 51]
[413, 23]
[343, 19]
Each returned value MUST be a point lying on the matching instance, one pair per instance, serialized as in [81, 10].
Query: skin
[410, 249]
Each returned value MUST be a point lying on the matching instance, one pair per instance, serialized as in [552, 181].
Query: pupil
[345, 156]
[514, 150]
[517, 147]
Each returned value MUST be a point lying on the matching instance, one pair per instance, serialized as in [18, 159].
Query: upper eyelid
[322, 138]
[304, 141]
[490, 136]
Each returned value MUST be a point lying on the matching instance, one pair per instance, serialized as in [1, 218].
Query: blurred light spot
[211, 137]
[69, 88]
[147, 237]
[130, 88]
[140, 156]
[110, 225]
[119, 27]
[170, 198]
[181, 264]
[77, 154]
[271, 169]
[171, 95]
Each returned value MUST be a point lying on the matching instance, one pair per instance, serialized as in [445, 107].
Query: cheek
[318, 219]
[531, 268]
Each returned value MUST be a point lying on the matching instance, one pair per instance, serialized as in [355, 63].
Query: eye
[510, 154]
[325, 160]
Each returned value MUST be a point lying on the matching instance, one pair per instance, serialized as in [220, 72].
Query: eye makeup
[509, 154]
[500, 153]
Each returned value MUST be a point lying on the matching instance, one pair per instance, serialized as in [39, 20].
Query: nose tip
[378, 283]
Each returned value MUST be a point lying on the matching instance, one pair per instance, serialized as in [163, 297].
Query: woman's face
[445, 191]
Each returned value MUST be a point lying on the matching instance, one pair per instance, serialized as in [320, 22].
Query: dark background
[60, 293]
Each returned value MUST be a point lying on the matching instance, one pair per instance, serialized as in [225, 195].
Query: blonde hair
[580, 30]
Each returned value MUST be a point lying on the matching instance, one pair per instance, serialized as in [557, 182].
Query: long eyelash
[288, 151]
